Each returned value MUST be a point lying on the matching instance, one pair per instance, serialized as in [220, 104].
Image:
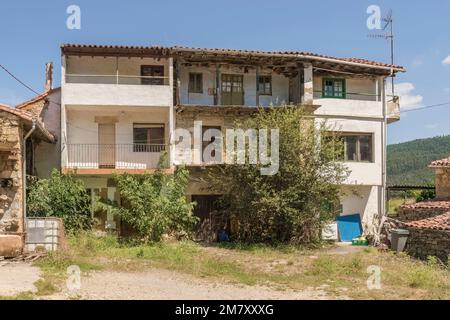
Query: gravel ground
[168, 285]
[17, 277]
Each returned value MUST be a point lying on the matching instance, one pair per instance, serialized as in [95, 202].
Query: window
[265, 85]
[333, 88]
[195, 82]
[152, 75]
[148, 137]
[357, 148]
[232, 89]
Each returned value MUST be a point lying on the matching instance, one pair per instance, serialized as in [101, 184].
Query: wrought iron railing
[115, 156]
[117, 79]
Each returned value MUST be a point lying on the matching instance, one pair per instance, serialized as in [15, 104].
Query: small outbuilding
[429, 222]
[16, 127]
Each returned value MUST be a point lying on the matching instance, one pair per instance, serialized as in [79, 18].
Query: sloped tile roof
[441, 222]
[441, 163]
[428, 205]
[28, 118]
[74, 48]
[36, 99]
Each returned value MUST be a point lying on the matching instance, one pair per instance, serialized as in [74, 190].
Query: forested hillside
[407, 163]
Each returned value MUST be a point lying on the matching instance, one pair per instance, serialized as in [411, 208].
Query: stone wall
[11, 197]
[422, 210]
[442, 181]
[427, 242]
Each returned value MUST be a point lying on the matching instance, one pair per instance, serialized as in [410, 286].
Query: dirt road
[169, 285]
[150, 284]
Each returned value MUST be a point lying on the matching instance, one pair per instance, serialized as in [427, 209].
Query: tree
[154, 204]
[293, 204]
[62, 196]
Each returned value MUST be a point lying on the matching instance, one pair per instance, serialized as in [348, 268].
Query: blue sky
[31, 32]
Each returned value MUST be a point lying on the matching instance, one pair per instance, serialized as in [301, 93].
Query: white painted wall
[361, 199]
[93, 81]
[362, 173]
[119, 95]
[280, 86]
[82, 129]
[47, 155]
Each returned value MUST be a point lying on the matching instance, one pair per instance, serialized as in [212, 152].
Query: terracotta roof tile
[28, 117]
[219, 51]
[36, 99]
[441, 222]
[428, 205]
[441, 163]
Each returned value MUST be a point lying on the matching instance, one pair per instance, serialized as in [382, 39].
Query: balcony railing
[114, 156]
[117, 79]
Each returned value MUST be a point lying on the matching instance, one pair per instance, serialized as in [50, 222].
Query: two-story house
[120, 107]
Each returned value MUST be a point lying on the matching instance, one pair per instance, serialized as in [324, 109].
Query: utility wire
[426, 107]
[24, 84]
[18, 80]
[37, 93]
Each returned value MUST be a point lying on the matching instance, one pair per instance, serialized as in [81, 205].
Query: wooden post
[177, 83]
[117, 70]
[217, 91]
[257, 86]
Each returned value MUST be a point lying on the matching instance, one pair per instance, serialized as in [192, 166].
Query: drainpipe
[24, 173]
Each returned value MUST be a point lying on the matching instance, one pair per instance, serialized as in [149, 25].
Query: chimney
[48, 76]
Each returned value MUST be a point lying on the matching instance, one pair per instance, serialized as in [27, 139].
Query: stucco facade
[104, 83]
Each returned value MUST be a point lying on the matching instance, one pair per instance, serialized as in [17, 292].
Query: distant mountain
[407, 162]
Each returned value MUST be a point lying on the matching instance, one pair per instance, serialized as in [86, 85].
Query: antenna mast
[389, 22]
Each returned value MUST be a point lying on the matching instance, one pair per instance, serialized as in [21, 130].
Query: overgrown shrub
[154, 204]
[293, 204]
[62, 196]
[426, 195]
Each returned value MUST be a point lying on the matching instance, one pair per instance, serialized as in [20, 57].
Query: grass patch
[45, 287]
[285, 267]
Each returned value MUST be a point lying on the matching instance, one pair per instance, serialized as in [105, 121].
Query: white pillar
[63, 133]
[171, 118]
[308, 91]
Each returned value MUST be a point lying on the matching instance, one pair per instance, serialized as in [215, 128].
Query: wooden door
[106, 145]
[232, 92]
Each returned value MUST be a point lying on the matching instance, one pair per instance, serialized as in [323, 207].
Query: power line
[24, 84]
[18, 80]
[426, 107]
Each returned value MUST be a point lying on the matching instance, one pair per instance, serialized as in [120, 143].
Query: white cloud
[446, 61]
[405, 90]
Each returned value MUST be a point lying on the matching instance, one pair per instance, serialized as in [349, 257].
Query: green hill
[407, 162]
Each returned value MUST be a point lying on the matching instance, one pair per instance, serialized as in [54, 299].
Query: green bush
[61, 196]
[426, 195]
[154, 204]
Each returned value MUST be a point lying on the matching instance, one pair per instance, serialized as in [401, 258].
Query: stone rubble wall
[442, 182]
[11, 197]
[406, 214]
[424, 242]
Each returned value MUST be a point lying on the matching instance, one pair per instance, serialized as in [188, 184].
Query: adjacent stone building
[429, 222]
[16, 126]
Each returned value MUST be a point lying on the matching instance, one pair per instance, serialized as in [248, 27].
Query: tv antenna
[389, 35]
